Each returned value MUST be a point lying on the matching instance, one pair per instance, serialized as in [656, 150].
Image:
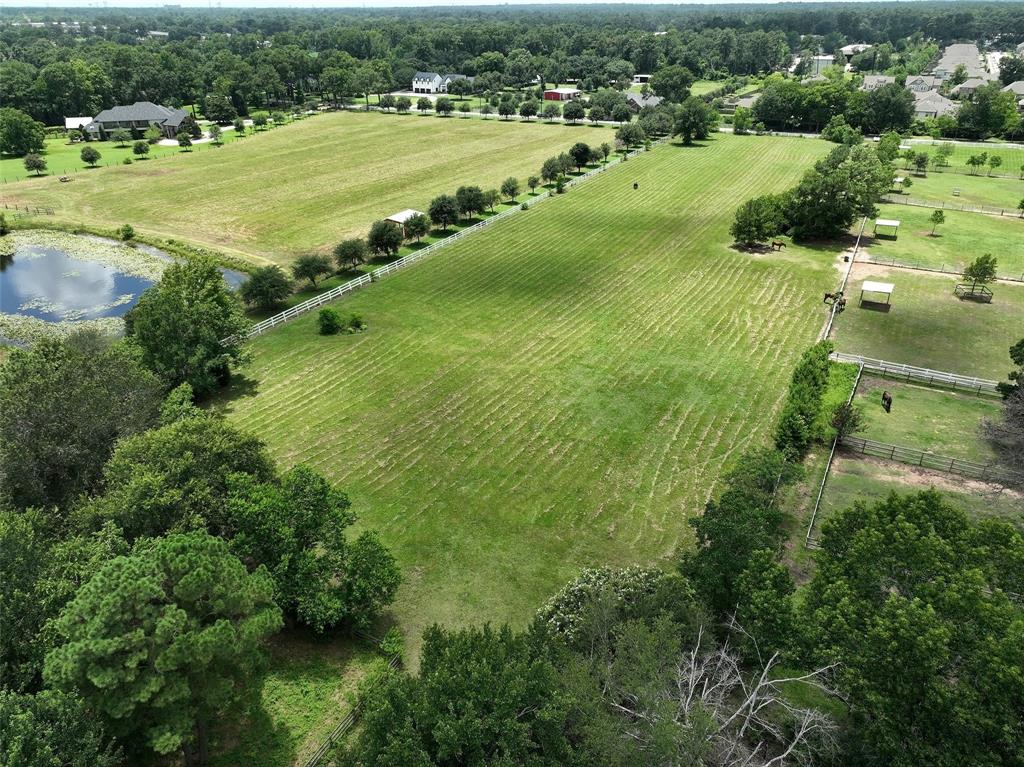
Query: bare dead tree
[742, 718]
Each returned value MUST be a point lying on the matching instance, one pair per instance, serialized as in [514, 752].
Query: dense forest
[90, 59]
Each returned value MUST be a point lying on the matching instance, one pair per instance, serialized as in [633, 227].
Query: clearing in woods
[560, 390]
[306, 186]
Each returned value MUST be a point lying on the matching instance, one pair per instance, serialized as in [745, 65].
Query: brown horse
[778, 244]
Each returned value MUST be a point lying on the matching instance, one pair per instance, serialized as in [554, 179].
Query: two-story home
[432, 82]
[874, 82]
[922, 83]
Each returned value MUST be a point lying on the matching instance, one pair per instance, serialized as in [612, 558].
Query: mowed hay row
[562, 389]
[307, 185]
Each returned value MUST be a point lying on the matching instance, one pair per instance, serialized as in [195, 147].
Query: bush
[329, 322]
[355, 324]
[795, 428]
[126, 232]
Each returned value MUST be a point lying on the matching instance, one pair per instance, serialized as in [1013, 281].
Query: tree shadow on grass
[241, 387]
[255, 739]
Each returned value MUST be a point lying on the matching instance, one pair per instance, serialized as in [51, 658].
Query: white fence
[383, 271]
[920, 375]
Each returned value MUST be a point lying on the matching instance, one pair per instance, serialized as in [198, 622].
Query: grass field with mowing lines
[992, 191]
[1013, 159]
[305, 186]
[870, 480]
[928, 326]
[962, 238]
[562, 389]
[942, 422]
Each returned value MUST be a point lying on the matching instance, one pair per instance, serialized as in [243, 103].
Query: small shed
[562, 94]
[402, 217]
[887, 223]
[878, 289]
[898, 182]
[74, 123]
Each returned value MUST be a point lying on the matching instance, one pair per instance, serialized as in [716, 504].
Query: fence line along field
[307, 185]
[562, 389]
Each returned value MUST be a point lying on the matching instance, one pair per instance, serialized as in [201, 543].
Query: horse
[778, 244]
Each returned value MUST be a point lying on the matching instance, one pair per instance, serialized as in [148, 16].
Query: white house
[932, 104]
[874, 82]
[426, 82]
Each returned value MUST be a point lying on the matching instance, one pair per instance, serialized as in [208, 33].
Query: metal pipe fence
[986, 472]
[846, 278]
[901, 199]
[927, 376]
[867, 258]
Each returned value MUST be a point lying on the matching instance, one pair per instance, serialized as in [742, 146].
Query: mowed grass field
[307, 185]
[560, 390]
[991, 191]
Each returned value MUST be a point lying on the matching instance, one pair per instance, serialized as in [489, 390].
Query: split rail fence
[986, 472]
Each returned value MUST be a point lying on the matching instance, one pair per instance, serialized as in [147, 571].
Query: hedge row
[795, 429]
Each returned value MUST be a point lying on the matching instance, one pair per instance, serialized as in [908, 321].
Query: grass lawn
[562, 389]
[942, 422]
[306, 186]
[1013, 158]
[307, 691]
[870, 479]
[962, 238]
[63, 158]
[700, 87]
[928, 326]
[992, 191]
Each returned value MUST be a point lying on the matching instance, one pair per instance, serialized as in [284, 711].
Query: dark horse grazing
[778, 244]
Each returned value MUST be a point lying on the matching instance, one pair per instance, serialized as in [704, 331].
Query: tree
[910, 583]
[418, 226]
[444, 106]
[888, 148]
[297, 529]
[444, 211]
[259, 121]
[672, 83]
[742, 119]
[219, 109]
[52, 729]
[757, 220]
[121, 136]
[349, 254]
[1020, 207]
[597, 114]
[470, 200]
[994, 162]
[981, 270]
[423, 104]
[847, 419]
[126, 232]
[185, 141]
[311, 266]
[921, 160]
[573, 111]
[329, 321]
[533, 182]
[551, 170]
[491, 198]
[621, 113]
[387, 102]
[90, 155]
[510, 188]
[1006, 434]
[1011, 69]
[694, 119]
[464, 108]
[161, 642]
[385, 238]
[34, 164]
[528, 109]
[63, 405]
[266, 288]
[175, 478]
[838, 131]
[580, 154]
[605, 149]
[937, 217]
[506, 108]
[189, 326]
[990, 112]
[976, 161]
[630, 134]
[20, 134]
[403, 104]
[552, 111]
[152, 135]
[215, 135]
[140, 149]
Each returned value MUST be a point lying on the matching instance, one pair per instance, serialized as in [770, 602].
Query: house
[820, 63]
[641, 79]
[966, 54]
[448, 79]
[74, 123]
[1017, 89]
[874, 82]
[137, 118]
[932, 104]
[426, 82]
[637, 101]
[562, 94]
[922, 83]
[849, 51]
[967, 87]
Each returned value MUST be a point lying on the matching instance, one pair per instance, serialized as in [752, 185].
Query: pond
[53, 282]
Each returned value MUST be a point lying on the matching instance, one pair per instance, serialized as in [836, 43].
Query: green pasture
[991, 191]
[305, 186]
[562, 389]
[64, 158]
[962, 238]
[1012, 157]
[308, 690]
[853, 479]
[942, 422]
[928, 326]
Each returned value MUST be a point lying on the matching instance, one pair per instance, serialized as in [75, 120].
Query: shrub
[329, 321]
[126, 232]
[794, 430]
[355, 324]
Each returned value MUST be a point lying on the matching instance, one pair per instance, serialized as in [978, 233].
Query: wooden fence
[867, 258]
[388, 269]
[986, 472]
[902, 199]
[30, 210]
[846, 278]
[926, 376]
